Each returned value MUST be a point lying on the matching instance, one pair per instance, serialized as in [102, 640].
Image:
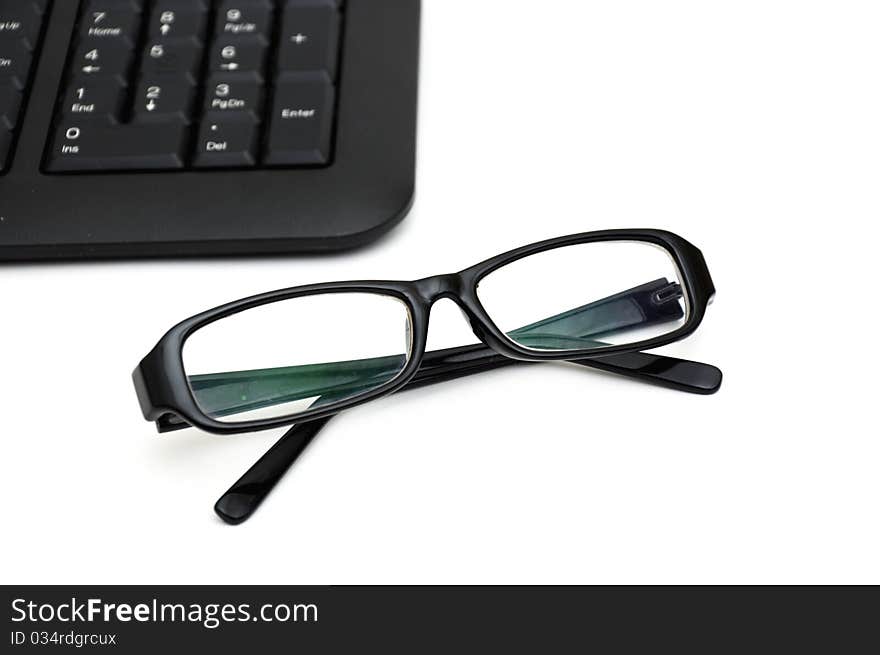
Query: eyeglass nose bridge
[456, 287]
[434, 288]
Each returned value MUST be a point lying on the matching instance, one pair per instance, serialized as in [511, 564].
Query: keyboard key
[175, 19]
[15, 63]
[226, 141]
[242, 54]
[181, 56]
[244, 18]
[309, 38]
[10, 103]
[158, 96]
[102, 57]
[116, 22]
[98, 98]
[20, 21]
[234, 92]
[93, 147]
[301, 120]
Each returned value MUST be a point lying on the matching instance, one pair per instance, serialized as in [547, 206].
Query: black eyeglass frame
[166, 397]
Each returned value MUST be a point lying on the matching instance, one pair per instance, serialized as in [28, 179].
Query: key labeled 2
[160, 96]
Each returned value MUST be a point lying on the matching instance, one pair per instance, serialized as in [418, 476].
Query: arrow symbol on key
[151, 105]
[165, 29]
[91, 69]
[230, 66]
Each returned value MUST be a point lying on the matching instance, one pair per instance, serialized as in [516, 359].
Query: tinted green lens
[281, 359]
[586, 297]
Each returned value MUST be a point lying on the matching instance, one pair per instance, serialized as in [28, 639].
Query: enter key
[301, 121]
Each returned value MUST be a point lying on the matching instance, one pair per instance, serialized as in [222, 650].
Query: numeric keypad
[149, 86]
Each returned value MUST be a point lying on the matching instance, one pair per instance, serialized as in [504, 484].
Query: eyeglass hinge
[669, 292]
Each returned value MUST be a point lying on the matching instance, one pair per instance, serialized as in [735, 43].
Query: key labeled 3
[241, 92]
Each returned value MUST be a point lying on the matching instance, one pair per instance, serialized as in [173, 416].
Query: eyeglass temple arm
[243, 498]
[234, 392]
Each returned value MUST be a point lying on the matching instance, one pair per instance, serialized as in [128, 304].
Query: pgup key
[20, 20]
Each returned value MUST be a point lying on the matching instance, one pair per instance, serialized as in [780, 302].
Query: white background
[752, 128]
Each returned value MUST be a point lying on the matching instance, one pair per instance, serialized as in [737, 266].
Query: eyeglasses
[304, 354]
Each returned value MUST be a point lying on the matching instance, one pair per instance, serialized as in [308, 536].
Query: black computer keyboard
[290, 122]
